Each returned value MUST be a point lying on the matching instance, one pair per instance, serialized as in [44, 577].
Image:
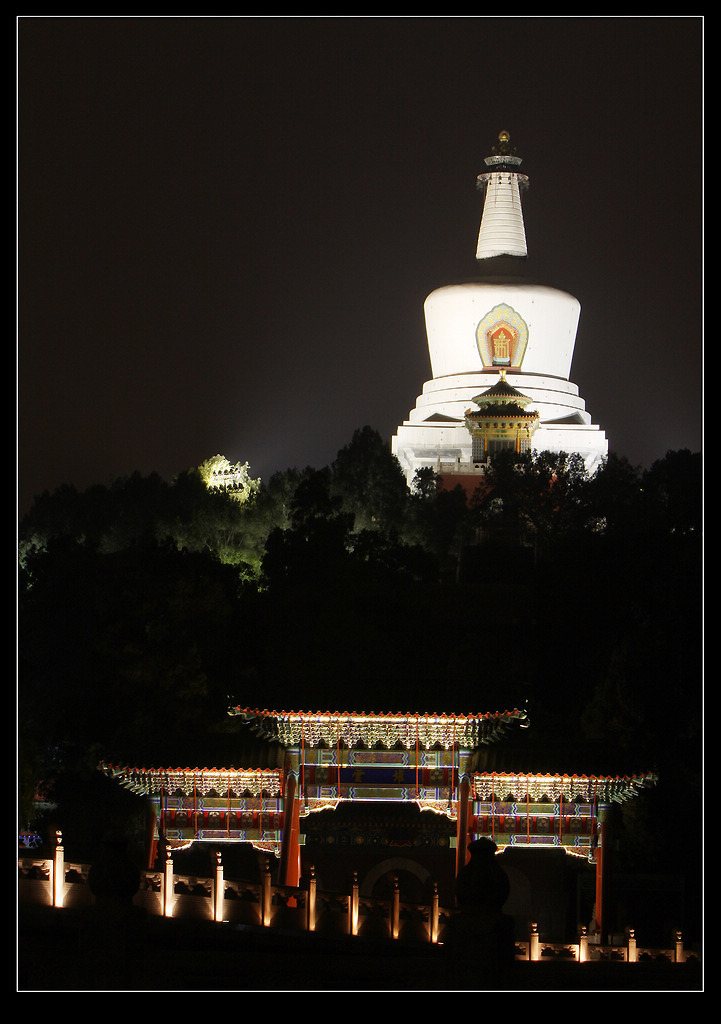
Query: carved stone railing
[51, 882]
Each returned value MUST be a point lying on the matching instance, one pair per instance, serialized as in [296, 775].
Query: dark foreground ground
[86, 951]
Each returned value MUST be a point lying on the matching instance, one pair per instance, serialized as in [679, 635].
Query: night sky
[227, 227]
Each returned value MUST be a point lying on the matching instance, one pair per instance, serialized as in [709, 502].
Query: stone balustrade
[52, 882]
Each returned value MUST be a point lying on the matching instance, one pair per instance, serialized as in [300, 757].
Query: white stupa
[498, 322]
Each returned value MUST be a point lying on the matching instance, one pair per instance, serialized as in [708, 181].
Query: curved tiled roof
[203, 781]
[291, 728]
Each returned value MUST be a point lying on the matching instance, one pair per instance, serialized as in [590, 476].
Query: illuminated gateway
[385, 793]
[390, 794]
[498, 324]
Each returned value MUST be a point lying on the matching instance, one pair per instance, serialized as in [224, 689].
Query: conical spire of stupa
[502, 230]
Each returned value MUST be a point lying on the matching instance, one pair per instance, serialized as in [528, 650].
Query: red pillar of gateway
[289, 872]
[603, 850]
[463, 820]
[151, 843]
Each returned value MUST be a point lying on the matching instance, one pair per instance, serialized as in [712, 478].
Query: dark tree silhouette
[145, 607]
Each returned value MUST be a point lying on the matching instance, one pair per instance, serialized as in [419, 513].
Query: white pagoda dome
[500, 321]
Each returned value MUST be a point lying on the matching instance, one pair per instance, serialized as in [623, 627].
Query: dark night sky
[227, 227]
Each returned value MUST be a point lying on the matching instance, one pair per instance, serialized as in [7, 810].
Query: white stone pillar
[219, 889]
[353, 906]
[582, 944]
[266, 896]
[168, 888]
[395, 911]
[435, 914]
[312, 885]
[58, 877]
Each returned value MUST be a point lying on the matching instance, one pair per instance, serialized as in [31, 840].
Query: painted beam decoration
[428, 778]
[333, 757]
[547, 810]
[211, 804]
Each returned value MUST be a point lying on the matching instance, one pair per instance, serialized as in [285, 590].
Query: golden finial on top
[504, 144]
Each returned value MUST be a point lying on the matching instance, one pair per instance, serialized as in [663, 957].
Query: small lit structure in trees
[219, 475]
